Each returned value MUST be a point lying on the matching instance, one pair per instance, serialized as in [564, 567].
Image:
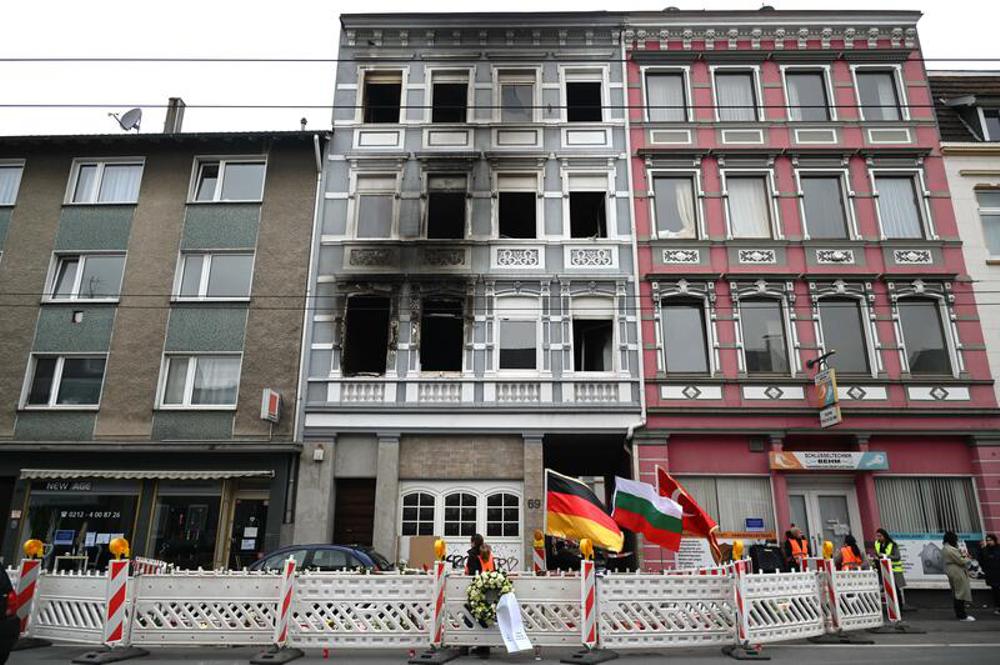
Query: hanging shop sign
[832, 460]
[826, 398]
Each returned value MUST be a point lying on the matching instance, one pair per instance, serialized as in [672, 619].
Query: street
[946, 641]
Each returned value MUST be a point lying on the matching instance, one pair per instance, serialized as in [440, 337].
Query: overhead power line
[401, 59]
[665, 107]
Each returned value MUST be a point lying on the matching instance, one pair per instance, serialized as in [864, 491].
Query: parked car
[10, 629]
[324, 557]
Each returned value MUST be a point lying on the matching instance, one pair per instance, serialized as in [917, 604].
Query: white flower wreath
[483, 594]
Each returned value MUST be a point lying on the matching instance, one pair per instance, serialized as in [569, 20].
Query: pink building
[790, 199]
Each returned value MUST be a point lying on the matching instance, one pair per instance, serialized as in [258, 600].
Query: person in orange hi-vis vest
[796, 549]
[480, 557]
[850, 556]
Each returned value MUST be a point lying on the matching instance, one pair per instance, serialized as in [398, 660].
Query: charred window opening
[583, 101]
[442, 335]
[592, 340]
[366, 336]
[383, 91]
[517, 214]
[449, 98]
[587, 215]
[446, 207]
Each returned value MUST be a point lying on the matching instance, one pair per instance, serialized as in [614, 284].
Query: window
[449, 96]
[277, 561]
[666, 97]
[382, 95]
[186, 524]
[517, 96]
[105, 182]
[675, 207]
[199, 381]
[588, 215]
[732, 500]
[749, 205]
[685, 338]
[446, 206]
[592, 345]
[928, 505]
[583, 101]
[330, 559]
[989, 215]
[10, 181]
[517, 203]
[877, 95]
[518, 332]
[66, 381]
[459, 514]
[442, 335]
[215, 276]
[807, 98]
[764, 344]
[229, 180]
[898, 206]
[735, 96]
[418, 514]
[375, 203]
[823, 206]
[842, 323]
[87, 277]
[366, 336]
[991, 124]
[923, 336]
[503, 515]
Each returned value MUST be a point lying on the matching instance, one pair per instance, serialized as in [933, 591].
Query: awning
[127, 474]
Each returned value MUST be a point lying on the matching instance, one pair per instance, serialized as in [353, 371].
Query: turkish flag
[696, 521]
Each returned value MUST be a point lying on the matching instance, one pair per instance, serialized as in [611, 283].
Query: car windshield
[380, 561]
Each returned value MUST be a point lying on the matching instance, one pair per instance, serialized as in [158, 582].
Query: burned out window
[383, 92]
[517, 200]
[592, 344]
[366, 336]
[442, 335]
[449, 96]
[446, 195]
[583, 101]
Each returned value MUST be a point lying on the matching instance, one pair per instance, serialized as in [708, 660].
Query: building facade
[791, 200]
[151, 289]
[473, 280]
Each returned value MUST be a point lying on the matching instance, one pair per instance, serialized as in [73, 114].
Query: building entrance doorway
[825, 509]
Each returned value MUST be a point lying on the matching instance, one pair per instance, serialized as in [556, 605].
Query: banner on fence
[515, 638]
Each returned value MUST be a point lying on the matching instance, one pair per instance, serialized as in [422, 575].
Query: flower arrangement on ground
[483, 594]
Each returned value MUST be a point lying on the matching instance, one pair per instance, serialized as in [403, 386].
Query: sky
[294, 29]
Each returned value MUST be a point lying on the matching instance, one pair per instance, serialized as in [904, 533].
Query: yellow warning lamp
[827, 549]
[587, 549]
[539, 539]
[440, 548]
[119, 547]
[737, 550]
[33, 548]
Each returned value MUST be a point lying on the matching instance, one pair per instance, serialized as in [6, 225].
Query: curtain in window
[10, 176]
[878, 96]
[807, 96]
[927, 505]
[665, 97]
[748, 207]
[674, 201]
[215, 381]
[120, 183]
[740, 498]
[734, 97]
[898, 207]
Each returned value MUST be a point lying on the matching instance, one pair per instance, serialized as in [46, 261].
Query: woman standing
[885, 546]
[958, 579]
[989, 559]
[850, 556]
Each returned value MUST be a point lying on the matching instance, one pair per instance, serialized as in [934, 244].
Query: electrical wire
[492, 47]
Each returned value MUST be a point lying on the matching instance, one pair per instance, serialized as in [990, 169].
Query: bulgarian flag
[639, 508]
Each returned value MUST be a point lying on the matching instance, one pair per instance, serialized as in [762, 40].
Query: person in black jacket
[989, 561]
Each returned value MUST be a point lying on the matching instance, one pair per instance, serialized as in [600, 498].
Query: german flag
[573, 512]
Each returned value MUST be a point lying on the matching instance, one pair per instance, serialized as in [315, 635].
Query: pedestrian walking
[989, 561]
[885, 546]
[850, 556]
[479, 558]
[958, 578]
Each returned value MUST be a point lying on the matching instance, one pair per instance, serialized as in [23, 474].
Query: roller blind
[927, 505]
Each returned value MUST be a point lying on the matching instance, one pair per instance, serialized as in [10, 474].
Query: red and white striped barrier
[588, 602]
[284, 603]
[740, 598]
[889, 590]
[117, 593]
[829, 581]
[143, 566]
[538, 560]
[27, 582]
[437, 609]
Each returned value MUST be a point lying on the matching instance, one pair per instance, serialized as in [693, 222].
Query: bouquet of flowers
[483, 594]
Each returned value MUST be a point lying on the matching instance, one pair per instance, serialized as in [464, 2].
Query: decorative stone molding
[691, 392]
[938, 393]
[773, 393]
[681, 256]
[595, 393]
[897, 36]
[591, 257]
[371, 257]
[518, 393]
[912, 256]
[836, 256]
[518, 257]
[444, 257]
[757, 256]
[362, 391]
[862, 393]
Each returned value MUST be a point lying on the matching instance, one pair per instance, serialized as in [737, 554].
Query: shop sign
[69, 486]
[826, 398]
[832, 460]
[923, 565]
[754, 524]
[270, 405]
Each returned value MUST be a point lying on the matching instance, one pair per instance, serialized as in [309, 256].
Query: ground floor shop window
[185, 524]
[741, 504]
[928, 505]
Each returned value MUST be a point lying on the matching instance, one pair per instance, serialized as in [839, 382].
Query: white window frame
[186, 405]
[980, 210]
[981, 112]
[847, 194]
[57, 381]
[610, 216]
[56, 262]
[206, 272]
[469, 73]
[869, 333]
[831, 101]
[539, 177]
[480, 489]
[923, 209]
[584, 73]
[685, 72]
[425, 178]
[363, 72]
[592, 316]
[223, 160]
[947, 330]
[434, 508]
[19, 164]
[536, 318]
[710, 336]
[791, 351]
[758, 91]
[897, 78]
[354, 198]
[499, 73]
[699, 202]
[773, 202]
[95, 190]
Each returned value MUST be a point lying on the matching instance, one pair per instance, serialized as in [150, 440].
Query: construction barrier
[24, 584]
[889, 592]
[143, 566]
[70, 606]
[781, 606]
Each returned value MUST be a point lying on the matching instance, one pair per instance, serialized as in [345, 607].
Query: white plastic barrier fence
[782, 606]
[858, 602]
[69, 606]
[143, 566]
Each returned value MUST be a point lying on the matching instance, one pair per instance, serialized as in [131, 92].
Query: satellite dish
[129, 120]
